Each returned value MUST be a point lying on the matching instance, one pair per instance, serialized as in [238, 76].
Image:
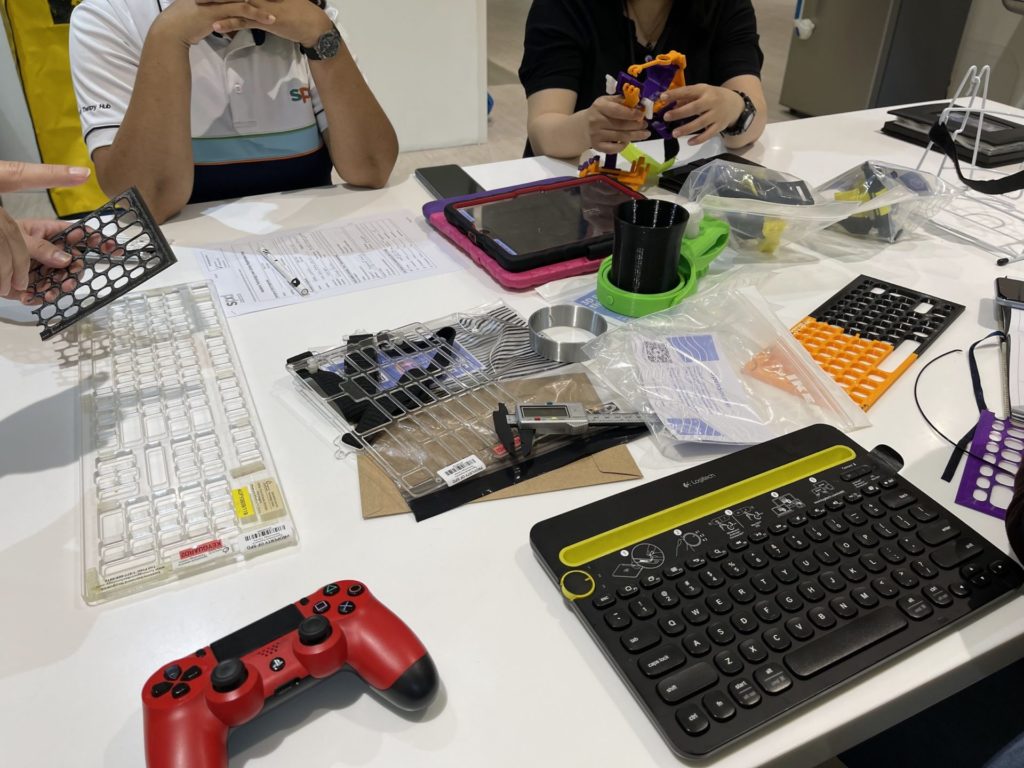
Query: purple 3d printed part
[987, 486]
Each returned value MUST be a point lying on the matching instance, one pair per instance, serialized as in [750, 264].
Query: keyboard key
[743, 622]
[871, 490]
[970, 570]
[832, 581]
[852, 573]
[843, 606]
[806, 565]
[775, 639]
[955, 552]
[755, 559]
[773, 679]
[692, 720]
[872, 563]
[756, 537]
[729, 662]
[738, 545]
[864, 598]
[821, 618]
[887, 482]
[905, 578]
[797, 520]
[718, 706]
[696, 614]
[810, 591]
[741, 593]
[891, 555]
[641, 608]
[775, 551]
[866, 538]
[753, 651]
[937, 595]
[998, 567]
[835, 504]
[903, 522]
[817, 513]
[884, 587]
[696, 644]
[923, 515]
[721, 633]
[789, 601]
[640, 639]
[746, 695]
[767, 611]
[853, 497]
[898, 499]
[785, 574]
[717, 553]
[719, 604]
[981, 580]
[915, 607]
[671, 625]
[938, 533]
[778, 528]
[661, 660]
[617, 619]
[712, 577]
[855, 517]
[873, 509]
[836, 525]
[673, 572]
[734, 568]
[686, 682]
[846, 547]
[923, 569]
[883, 529]
[857, 472]
[650, 580]
[603, 600]
[764, 584]
[797, 542]
[689, 587]
[814, 533]
[799, 628]
[959, 589]
[666, 598]
[628, 590]
[696, 563]
[830, 649]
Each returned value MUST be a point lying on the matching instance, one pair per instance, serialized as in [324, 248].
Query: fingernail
[79, 172]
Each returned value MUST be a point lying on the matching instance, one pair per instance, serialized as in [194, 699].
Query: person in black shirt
[571, 45]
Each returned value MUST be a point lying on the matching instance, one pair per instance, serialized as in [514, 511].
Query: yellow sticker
[243, 503]
[268, 498]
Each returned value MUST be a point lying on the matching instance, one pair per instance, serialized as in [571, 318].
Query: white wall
[426, 62]
[993, 36]
[17, 140]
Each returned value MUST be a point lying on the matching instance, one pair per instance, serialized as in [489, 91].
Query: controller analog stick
[228, 675]
[314, 630]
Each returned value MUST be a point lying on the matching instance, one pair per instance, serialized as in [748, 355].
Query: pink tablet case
[520, 281]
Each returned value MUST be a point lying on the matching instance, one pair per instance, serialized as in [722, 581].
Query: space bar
[853, 637]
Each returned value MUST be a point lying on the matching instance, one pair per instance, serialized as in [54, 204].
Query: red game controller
[190, 704]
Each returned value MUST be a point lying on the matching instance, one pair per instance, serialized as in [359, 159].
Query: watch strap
[746, 116]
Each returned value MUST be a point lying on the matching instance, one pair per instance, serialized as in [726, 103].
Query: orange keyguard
[850, 360]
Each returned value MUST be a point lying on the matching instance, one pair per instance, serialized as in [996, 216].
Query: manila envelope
[381, 497]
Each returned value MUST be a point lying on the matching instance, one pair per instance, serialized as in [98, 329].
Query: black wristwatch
[326, 47]
[746, 118]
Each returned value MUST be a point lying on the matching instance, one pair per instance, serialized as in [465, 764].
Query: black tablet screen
[547, 219]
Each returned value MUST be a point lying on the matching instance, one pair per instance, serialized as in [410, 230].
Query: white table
[523, 682]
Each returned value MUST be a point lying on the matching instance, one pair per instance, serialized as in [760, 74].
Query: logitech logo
[698, 480]
[300, 94]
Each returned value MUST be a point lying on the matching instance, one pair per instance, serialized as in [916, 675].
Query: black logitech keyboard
[730, 593]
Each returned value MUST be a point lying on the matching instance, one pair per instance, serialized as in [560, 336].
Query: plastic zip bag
[696, 373]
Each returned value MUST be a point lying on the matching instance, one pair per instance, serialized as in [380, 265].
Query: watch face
[328, 44]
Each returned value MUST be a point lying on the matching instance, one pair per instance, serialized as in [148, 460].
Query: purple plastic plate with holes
[433, 212]
[987, 486]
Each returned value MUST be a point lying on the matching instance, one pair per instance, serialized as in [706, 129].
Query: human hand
[23, 244]
[15, 176]
[189, 21]
[613, 125]
[712, 108]
[299, 21]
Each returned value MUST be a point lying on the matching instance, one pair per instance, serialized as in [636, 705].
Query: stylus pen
[282, 270]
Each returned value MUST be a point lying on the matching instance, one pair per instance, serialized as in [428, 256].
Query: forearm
[559, 135]
[153, 147]
[751, 86]
[360, 137]
[752, 134]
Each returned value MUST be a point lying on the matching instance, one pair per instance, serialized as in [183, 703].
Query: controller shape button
[314, 630]
[172, 673]
[192, 673]
[228, 675]
[346, 607]
[356, 589]
[160, 689]
[322, 607]
[180, 690]
[331, 590]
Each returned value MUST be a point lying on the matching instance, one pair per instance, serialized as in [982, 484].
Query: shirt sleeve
[553, 48]
[105, 50]
[736, 50]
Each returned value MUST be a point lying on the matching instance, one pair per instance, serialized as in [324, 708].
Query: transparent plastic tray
[419, 399]
[176, 474]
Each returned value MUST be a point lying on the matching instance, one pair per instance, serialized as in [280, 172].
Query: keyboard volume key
[683, 684]
[852, 638]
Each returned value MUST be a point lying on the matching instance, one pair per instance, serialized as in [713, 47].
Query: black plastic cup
[645, 252]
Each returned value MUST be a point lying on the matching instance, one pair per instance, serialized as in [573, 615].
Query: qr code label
[656, 352]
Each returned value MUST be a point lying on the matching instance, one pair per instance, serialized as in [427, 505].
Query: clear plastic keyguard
[176, 475]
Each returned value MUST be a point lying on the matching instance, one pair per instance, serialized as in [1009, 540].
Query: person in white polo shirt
[197, 100]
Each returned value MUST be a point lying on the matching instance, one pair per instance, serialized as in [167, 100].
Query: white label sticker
[460, 470]
[264, 537]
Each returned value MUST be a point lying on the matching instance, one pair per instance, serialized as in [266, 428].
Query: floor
[506, 133]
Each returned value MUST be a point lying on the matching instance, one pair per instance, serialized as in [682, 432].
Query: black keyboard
[728, 594]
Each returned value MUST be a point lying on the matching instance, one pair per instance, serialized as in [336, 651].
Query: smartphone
[1010, 292]
[444, 181]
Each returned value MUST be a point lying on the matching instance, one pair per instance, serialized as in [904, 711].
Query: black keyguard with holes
[880, 311]
[738, 604]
